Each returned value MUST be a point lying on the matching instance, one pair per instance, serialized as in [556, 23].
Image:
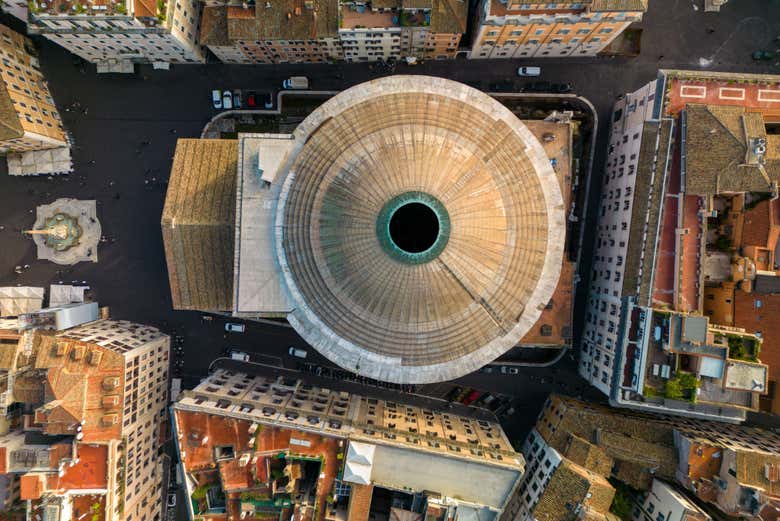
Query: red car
[473, 395]
[251, 100]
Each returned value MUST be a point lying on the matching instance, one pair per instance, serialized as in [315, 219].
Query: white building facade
[124, 32]
[601, 339]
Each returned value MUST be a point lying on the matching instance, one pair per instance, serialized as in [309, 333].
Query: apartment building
[253, 447]
[664, 502]
[86, 419]
[114, 35]
[385, 29]
[273, 32]
[576, 446]
[326, 30]
[677, 288]
[29, 115]
[736, 470]
[525, 29]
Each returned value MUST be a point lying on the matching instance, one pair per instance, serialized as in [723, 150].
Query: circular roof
[420, 229]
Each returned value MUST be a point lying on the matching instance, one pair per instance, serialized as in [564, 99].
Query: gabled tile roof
[569, 487]
[213, 26]
[10, 126]
[716, 150]
[198, 223]
[753, 469]
[284, 20]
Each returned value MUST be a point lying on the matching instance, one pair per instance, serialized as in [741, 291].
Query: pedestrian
[710, 30]
[661, 57]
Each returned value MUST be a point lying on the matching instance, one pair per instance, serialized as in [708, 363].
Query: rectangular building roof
[258, 284]
[198, 223]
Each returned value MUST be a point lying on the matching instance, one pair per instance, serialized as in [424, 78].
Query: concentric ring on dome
[436, 320]
[390, 246]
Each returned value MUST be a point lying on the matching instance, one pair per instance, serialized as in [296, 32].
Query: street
[125, 128]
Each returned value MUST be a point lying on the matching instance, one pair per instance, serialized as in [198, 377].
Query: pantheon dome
[419, 229]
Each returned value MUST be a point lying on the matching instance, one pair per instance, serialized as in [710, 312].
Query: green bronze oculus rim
[413, 227]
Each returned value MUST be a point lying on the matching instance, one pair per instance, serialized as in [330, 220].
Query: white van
[296, 83]
[235, 354]
[529, 71]
[232, 327]
[294, 351]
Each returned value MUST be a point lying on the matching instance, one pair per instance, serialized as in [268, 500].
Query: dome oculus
[413, 227]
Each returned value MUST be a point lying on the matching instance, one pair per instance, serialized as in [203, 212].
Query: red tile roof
[755, 231]
[75, 388]
[31, 486]
[763, 319]
[91, 471]
[711, 92]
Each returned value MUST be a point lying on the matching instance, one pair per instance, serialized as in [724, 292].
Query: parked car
[251, 99]
[509, 370]
[562, 88]
[171, 500]
[764, 55]
[471, 397]
[539, 86]
[268, 100]
[237, 99]
[529, 71]
[216, 98]
[232, 327]
[504, 86]
[294, 351]
[227, 100]
[296, 83]
[487, 369]
[235, 354]
[454, 392]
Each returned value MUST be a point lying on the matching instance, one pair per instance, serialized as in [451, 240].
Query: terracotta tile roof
[59, 452]
[31, 486]
[702, 462]
[8, 354]
[569, 487]
[635, 444]
[618, 5]
[588, 455]
[755, 318]
[236, 477]
[770, 511]
[755, 231]
[753, 469]
[449, 16]
[90, 472]
[360, 502]
[716, 151]
[28, 389]
[213, 26]
[75, 391]
[200, 433]
[10, 126]
[285, 20]
[198, 223]
[145, 8]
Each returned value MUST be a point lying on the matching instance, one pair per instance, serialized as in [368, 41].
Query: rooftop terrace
[365, 18]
